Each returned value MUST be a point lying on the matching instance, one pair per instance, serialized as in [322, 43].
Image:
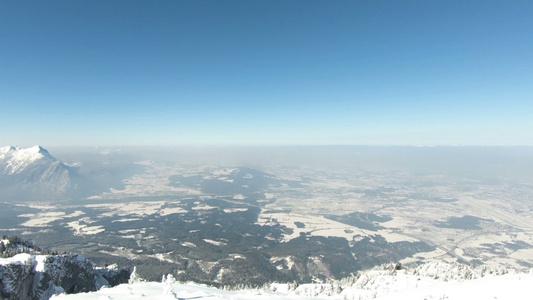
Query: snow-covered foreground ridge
[429, 281]
[37, 277]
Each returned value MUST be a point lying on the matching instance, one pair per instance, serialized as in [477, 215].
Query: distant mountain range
[32, 173]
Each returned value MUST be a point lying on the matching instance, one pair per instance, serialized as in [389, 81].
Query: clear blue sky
[266, 72]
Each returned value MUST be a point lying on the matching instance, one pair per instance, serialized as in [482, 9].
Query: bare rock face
[15, 280]
[73, 274]
[41, 276]
[112, 275]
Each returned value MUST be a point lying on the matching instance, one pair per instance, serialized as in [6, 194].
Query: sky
[104, 73]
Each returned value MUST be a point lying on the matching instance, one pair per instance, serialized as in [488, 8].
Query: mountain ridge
[17, 158]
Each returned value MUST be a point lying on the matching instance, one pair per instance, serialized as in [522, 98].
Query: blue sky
[84, 73]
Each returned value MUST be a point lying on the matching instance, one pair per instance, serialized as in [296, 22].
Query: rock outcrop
[38, 277]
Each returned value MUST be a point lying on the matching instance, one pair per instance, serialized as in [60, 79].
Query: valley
[235, 224]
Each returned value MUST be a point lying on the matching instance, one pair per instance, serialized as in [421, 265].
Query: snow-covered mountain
[429, 281]
[17, 160]
[32, 172]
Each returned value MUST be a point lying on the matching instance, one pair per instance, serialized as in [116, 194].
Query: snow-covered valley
[308, 230]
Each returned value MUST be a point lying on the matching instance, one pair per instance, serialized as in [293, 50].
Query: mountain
[31, 275]
[27, 174]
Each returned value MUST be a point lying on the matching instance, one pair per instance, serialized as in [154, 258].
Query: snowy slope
[420, 283]
[154, 290]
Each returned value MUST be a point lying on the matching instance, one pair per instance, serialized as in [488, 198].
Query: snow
[511, 286]
[42, 219]
[40, 263]
[126, 220]
[7, 149]
[227, 171]
[162, 257]
[314, 225]
[83, 229]
[172, 290]
[225, 179]
[45, 218]
[212, 242]
[172, 210]
[37, 206]
[155, 181]
[19, 259]
[203, 207]
[430, 281]
[129, 209]
[16, 159]
[232, 210]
